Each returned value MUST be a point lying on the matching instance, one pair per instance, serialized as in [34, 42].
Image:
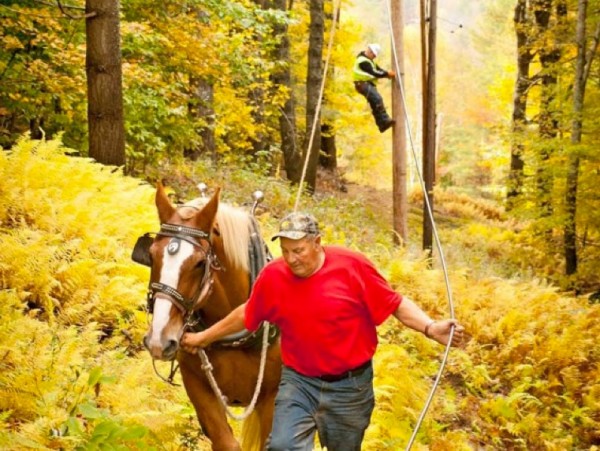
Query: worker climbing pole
[365, 74]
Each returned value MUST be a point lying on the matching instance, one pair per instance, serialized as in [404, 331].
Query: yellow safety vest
[359, 74]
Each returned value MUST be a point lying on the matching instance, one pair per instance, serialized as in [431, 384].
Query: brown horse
[200, 272]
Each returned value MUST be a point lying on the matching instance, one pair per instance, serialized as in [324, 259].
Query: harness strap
[177, 299]
[167, 228]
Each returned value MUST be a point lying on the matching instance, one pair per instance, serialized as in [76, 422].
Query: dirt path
[379, 201]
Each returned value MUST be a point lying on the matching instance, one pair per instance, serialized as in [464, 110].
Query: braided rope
[208, 369]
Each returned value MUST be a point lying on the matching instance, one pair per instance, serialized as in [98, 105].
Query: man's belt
[354, 372]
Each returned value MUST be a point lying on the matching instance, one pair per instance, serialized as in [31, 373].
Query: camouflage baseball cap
[296, 226]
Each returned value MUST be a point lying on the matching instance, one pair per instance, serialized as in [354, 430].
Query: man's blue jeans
[340, 412]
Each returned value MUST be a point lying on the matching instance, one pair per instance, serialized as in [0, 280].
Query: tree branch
[84, 16]
[42, 2]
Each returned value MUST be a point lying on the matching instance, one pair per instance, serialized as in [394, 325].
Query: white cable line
[425, 196]
[435, 234]
[318, 109]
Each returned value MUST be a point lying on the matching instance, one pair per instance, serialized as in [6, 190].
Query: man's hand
[391, 74]
[440, 332]
[190, 342]
[232, 323]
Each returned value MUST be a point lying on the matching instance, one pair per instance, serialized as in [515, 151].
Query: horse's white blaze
[169, 276]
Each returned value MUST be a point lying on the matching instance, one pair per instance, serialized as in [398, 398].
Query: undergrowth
[73, 374]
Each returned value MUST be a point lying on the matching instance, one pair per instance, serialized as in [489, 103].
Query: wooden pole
[399, 189]
[429, 128]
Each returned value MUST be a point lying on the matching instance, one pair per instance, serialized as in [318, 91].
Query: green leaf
[74, 426]
[95, 376]
[90, 411]
[134, 432]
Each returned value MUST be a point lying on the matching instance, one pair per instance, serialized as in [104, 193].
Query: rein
[172, 373]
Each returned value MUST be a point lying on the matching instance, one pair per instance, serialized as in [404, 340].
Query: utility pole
[399, 188]
[428, 40]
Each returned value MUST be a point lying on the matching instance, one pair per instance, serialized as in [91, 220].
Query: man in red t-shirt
[327, 302]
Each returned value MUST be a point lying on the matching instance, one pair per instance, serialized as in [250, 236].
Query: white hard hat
[375, 48]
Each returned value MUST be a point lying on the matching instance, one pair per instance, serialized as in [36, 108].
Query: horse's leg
[209, 410]
[265, 407]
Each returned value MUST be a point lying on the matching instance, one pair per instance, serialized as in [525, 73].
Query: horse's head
[182, 264]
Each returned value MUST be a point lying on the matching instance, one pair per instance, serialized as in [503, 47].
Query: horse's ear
[166, 210]
[206, 218]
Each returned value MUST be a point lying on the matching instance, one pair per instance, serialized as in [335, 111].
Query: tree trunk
[328, 155]
[104, 83]
[203, 108]
[519, 114]
[36, 127]
[550, 55]
[314, 79]
[257, 98]
[292, 160]
[570, 231]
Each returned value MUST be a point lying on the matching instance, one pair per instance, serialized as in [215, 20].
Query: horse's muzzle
[160, 350]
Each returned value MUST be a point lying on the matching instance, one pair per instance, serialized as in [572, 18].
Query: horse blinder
[141, 250]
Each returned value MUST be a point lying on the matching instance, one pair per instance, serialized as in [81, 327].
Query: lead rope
[208, 369]
[318, 109]
[435, 234]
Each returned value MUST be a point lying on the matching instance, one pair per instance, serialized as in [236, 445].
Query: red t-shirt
[327, 320]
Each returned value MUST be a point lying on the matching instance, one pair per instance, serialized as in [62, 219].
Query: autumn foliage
[74, 373]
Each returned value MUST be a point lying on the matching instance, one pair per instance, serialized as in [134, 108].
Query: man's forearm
[411, 315]
[232, 323]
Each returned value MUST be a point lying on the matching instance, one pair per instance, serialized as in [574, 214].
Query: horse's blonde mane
[235, 227]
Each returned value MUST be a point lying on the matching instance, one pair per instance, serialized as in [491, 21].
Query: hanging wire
[318, 109]
[435, 234]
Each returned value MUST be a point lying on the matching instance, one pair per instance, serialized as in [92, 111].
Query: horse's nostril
[170, 347]
[145, 341]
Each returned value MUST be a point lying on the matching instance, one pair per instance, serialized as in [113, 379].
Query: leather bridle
[199, 239]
